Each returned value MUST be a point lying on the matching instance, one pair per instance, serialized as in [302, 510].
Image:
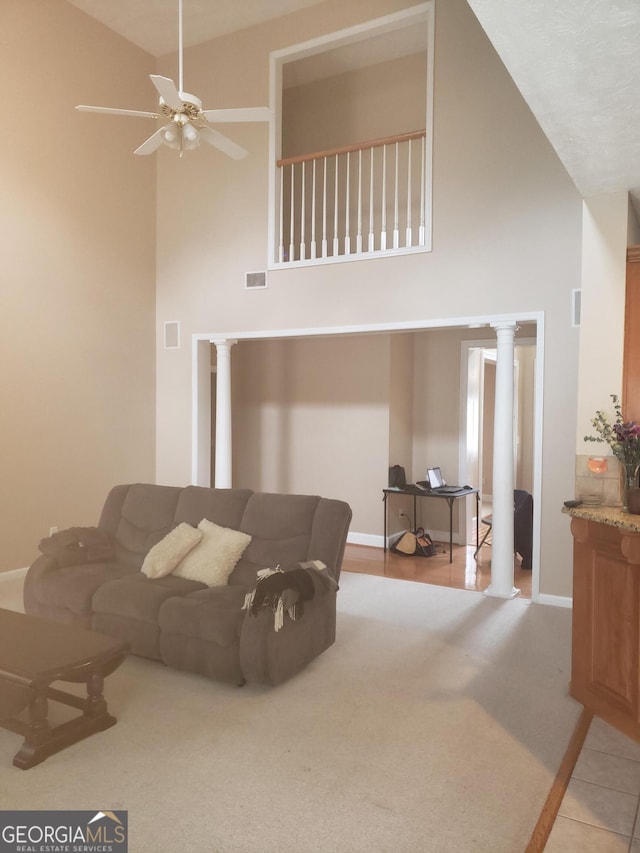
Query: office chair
[488, 520]
[522, 527]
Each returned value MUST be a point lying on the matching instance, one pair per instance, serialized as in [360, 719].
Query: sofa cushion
[224, 506]
[280, 527]
[147, 515]
[214, 615]
[167, 553]
[140, 598]
[73, 587]
[215, 556]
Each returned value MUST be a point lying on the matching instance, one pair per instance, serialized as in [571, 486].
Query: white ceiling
[576, 63]
[153, 24]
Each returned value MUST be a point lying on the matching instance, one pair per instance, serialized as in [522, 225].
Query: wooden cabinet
[605, 670]
[631, 364]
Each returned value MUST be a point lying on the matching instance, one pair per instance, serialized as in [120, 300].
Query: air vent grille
[172, 334]
[576, 306]
[255, 280]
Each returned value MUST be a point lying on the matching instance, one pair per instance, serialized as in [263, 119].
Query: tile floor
[599, 811]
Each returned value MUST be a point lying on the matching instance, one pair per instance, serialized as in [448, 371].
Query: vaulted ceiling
[576, 63]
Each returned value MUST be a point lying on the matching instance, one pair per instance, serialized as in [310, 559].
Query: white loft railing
[365, 198]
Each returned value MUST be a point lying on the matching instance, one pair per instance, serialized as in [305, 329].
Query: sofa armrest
[290, 587]
[42, 565]
[272, 656]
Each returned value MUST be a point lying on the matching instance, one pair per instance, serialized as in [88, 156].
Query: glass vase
[630, 482]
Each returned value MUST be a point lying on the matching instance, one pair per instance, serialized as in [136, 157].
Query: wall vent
[254, 280]
[576, 306]
[172, 334]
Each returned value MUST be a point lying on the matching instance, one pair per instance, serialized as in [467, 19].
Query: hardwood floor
[465, 572]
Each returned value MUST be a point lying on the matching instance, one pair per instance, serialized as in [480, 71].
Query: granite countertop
[614, 516]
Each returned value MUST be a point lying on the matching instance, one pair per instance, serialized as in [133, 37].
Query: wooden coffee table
[35, 652]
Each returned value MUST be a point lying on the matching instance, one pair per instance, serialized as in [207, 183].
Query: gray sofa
[185, 623]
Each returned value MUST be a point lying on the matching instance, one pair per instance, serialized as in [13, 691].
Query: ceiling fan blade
[239, 114]
[167, 90]
[112, 111]
[223, 143]
[154, 141]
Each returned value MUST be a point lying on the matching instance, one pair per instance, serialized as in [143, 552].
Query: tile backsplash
[606, 485]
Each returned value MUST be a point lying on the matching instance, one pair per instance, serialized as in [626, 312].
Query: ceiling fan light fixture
[189, 133]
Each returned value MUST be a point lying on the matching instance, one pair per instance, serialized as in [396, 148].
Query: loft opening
[352, 149]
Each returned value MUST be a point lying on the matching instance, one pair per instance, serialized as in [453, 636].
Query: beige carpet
[436, 723]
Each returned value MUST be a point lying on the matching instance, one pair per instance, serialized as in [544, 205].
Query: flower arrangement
[622, 437]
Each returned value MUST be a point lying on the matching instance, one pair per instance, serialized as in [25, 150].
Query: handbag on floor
[415, 543]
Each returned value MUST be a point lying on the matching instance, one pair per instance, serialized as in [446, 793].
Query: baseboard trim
[13, 574]
[377, 541]
[554, 600]
[371, 539]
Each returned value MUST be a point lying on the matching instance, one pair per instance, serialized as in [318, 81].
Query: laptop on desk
[436, 483]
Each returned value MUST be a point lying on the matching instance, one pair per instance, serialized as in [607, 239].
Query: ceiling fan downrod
[180, 46]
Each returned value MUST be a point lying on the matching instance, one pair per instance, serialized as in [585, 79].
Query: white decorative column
[503, 474]
[223, 473]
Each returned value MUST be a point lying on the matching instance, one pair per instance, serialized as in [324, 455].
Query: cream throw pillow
[167, 553]
[216, 555]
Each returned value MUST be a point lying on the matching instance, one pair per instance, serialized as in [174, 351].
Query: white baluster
[313, 212]
[421, 236]
[336, 239]
[292, 253]
[383, 223]
[408, 235]
[396, 224]
[347, 233]
[281, 237]
[359, 234]
[303, 213]
[371, 247]
[324, 210]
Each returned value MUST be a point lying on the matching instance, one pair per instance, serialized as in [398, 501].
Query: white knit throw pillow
[167, 553]
[215, 557]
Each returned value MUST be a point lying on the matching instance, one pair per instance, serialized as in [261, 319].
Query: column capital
[506, 326]
[223, 342]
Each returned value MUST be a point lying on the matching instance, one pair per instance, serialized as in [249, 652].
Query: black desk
[449, 497]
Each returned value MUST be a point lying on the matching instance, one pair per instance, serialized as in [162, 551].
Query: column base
[494, 593]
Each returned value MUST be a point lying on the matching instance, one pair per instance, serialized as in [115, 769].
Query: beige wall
[506, 239]
[312, 416]
[603, 293]
[77, 215]
[380, 100]
[400, 415]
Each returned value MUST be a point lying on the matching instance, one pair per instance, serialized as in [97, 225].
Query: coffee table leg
[38, 732]
[41, 740]
[96, 705]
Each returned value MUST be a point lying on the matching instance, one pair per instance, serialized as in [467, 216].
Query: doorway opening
[312, 411]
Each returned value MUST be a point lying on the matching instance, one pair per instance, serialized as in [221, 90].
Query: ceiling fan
[188, 122]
